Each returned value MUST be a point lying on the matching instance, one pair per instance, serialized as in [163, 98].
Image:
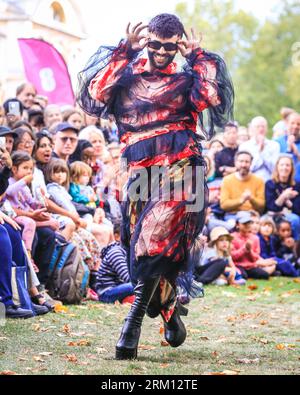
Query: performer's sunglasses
[167, 46]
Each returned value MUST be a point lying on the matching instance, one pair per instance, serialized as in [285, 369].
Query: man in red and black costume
[157, 110]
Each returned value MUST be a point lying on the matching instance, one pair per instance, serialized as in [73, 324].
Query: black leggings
[43, 252]
[206, 274]
[256, 273]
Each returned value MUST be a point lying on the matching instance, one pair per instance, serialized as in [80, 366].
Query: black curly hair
[166, 26]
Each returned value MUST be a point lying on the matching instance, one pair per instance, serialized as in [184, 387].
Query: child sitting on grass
[246, 250]
[255, 222]
[285, 247]
[80, 188]
[112, 282]
[220, 248]
[266, 238]
[25, 206]
[82, 193]
[58, 177]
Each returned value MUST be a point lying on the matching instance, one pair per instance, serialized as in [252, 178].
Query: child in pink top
[246, 250]
[22, 201]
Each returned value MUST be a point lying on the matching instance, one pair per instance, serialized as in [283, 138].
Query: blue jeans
[118, 292]
[11, 252]
[294, 219]
[5, 267]
[15, 238]
[286, 268]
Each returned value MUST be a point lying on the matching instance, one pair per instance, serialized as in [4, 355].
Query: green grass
[232, 329]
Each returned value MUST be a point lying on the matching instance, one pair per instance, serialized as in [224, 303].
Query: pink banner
[46, 69]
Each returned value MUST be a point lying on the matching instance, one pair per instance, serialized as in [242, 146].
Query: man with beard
[243, 190]
[157, 110]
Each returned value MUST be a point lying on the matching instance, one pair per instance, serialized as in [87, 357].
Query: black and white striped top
[113, 270]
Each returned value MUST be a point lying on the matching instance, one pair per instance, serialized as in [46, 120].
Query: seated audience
[112, 282]
[246, 251]
[243, 135]
[285, 245]
[80, 188]
[283, 193]
[242, 190]
[216, 263]
[264, 152]
[280, 128]
[224, 159]
[266, 238]
[290, 141]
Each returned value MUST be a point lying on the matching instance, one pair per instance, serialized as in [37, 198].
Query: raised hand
[192, 42]
[248, 246]
[28, 179]
[5, 159]
[134, 36]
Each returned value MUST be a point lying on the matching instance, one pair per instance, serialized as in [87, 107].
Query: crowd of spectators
[60, 174]
[253, 177]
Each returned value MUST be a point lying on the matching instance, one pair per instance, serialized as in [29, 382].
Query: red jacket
[240, 256]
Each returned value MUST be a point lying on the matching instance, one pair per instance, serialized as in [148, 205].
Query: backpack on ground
[68, 274]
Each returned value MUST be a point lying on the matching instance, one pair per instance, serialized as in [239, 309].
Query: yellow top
[233, 188]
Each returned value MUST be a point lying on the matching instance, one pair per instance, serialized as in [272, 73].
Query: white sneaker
[220, 282]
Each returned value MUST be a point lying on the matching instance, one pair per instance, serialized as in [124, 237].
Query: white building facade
[58, 22]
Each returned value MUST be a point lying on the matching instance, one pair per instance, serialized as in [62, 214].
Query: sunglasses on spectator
[73, 140]
[167, 46]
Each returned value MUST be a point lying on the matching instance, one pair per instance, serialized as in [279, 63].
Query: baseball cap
[64, 126]
[243, 217]
[4, 131]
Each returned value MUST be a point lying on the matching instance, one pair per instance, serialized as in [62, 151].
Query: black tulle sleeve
[212, 90]
[98, 80]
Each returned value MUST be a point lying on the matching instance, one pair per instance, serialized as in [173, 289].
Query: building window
[58, 12]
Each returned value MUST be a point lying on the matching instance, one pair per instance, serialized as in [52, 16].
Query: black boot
[128, 342]
[154, 307]
[175, 332]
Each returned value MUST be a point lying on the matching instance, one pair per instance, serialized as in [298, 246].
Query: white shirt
[263, 161]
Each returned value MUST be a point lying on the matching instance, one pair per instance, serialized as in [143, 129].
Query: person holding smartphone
[7, 138]
[13, 111]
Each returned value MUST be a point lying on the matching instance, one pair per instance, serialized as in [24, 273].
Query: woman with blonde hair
[283, 193]
[96, 137]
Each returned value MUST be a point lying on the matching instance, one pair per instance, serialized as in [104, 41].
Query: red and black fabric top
[157, 113]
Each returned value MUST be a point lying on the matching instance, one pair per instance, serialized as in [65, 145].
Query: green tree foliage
[262, 56]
